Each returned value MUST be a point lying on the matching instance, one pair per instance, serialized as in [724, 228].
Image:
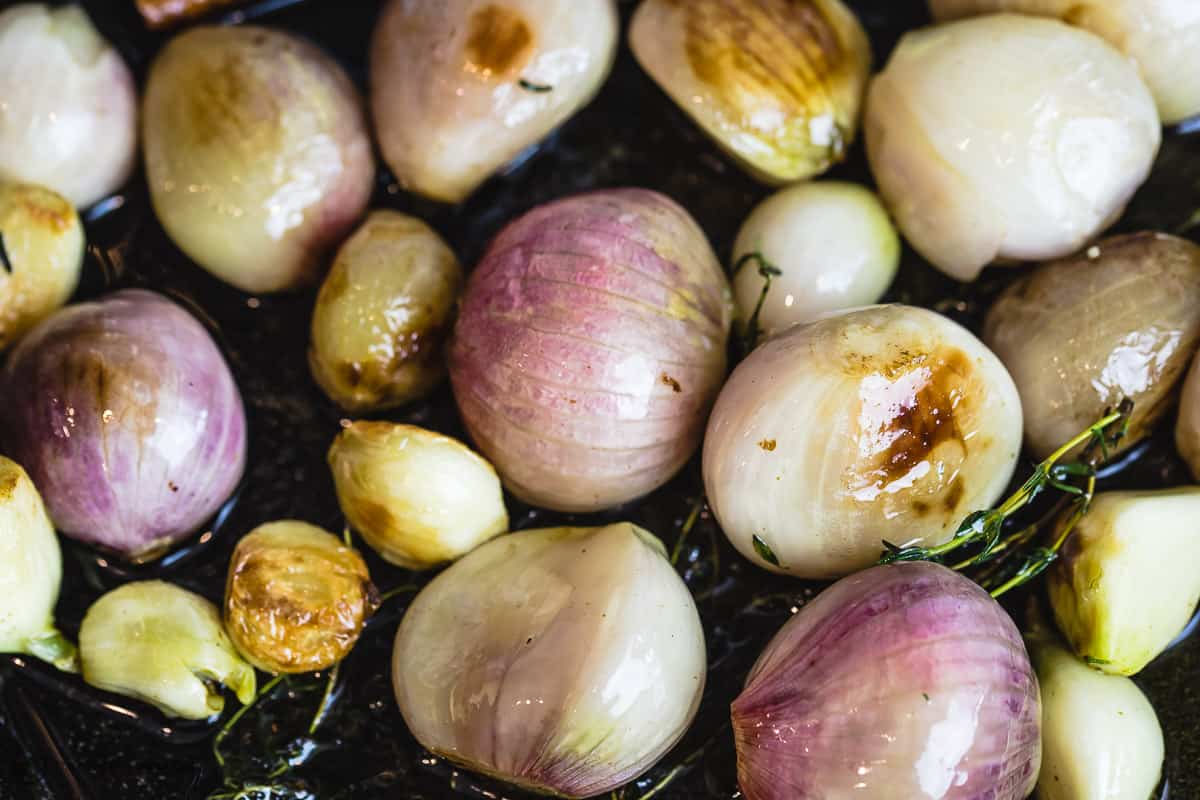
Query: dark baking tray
[58, 739]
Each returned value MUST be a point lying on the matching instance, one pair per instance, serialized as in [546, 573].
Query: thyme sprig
[1013, 562]
[5, 261]
[767, 271]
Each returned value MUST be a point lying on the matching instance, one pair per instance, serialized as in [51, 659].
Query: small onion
[1079, 334]
[899, 682]
[833, 244]
[128, 419]
[1007, 137]
[382, 313]
[1187, 427]
[1161, 36]
[776, 83]
[164, 645]
[297, 598]
[565, 660]
[30, 571]
[68, 104]
[418, 498]
[460, 87]
[41, 255]
[1101, 739]
[833, 435]
[589, 348]
[257, 153]
[1126, 583]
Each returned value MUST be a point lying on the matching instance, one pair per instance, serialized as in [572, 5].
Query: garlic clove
[1078, 335]
[1026, 155]
[564, 660]
[1161, 36]
[833, 436]
[164, 645]
[68, 104]
[257, 153]
[382, 314]
[459, 88]
[1101, 739]
[418, 498]
[1126, 585]
[30, 571]
[777, 84]
[297, 597]
[41, 255]
[833, 245]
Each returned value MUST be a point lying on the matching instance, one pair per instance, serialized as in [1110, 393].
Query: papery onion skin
[418, 498]
[43, 243]
[382, 314]
[1187, 426]
[1120, 320]
[897, 682]
[128, 419]
[459, 88]
[589, 348]
[162, 644]
[296, 598]
[832, 436]
[1101, 739]
[565, 660]
[778, 84]
[257, 153]
[68, 104]
[1162, 36]
[1126, 584]
[30, 562]
[1026, 155]
[833, 245]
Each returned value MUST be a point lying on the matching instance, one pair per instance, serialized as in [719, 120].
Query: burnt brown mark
[767, 444]
[374, 516]
[931, 419]
[48, 210]
[8, 485]
[499, 41]
[674, 384]
[787, 49]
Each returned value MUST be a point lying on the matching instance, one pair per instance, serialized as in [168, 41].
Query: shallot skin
[128, 419]
[899, 682]
[590, 347]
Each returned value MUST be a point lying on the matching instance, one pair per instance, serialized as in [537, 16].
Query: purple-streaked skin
[126, 416]
[590, 347]
[900, 682]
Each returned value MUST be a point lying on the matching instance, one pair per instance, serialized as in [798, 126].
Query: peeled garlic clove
[30, 571]
[1080, 334]
[1100, 736]
[257, 153]
[888, 422]
[900, 682]
[1161, 36]
[297, 597]
[460, 87]
[833, 245]
[383, 313]
[564, 660]
[1126, 583]
[68, 104]
[1187, 427]
[418, 498]
[777, 84]
[41, 254]
[1027, 154]
[164, 645]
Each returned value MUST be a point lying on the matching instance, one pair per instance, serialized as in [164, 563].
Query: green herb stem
[766, 271]
[241, 712]
[326, 696]
[688, 524]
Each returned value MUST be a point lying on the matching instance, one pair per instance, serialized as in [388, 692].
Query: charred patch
[499, 41]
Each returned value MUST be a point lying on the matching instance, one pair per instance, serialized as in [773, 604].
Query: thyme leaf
[764, 551]
[537, 88]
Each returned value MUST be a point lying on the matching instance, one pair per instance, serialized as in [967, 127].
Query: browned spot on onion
[499, 41]
[674, 384]
[767, 444]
